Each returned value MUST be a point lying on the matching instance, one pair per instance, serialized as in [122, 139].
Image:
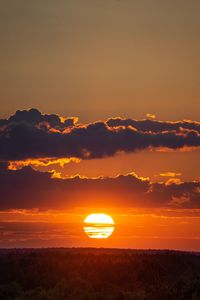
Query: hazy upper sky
[100, 58]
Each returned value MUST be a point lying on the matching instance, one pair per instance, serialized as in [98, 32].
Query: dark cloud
[27, 189]
[155, 126]
[34, 117]
[30, 134]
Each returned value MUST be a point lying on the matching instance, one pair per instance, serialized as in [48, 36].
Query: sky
[100, 113]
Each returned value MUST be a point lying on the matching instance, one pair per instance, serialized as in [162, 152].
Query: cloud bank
[27, 189]
[29, 134]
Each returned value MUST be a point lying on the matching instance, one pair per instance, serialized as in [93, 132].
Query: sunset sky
[100, 113]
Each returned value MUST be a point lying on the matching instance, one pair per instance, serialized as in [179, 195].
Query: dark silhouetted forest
[98, 274]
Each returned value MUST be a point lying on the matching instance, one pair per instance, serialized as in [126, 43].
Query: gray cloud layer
[27, 188]
[30, 134]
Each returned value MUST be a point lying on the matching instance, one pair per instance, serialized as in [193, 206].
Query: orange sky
[95, 60]
[45, 200]
[145, 163]
[132, 230]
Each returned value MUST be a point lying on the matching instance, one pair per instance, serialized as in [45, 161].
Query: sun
[98, 226]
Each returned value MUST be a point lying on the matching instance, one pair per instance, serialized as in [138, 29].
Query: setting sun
[98, 226]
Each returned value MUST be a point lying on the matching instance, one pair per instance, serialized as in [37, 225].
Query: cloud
[32, 135]
[29, 189]
[179, 201]
[151, 116]
[42, 162]
[147, 125]
[173, 180]
[35, 118]
[170, 174]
